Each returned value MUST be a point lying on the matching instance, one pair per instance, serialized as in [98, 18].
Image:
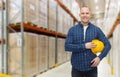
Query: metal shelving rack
[114, 26]
[1, 37]
[9, 28]
[21, 27]
[67, 10]
[6, 28]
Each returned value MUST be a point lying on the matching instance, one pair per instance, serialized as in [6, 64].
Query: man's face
[85, 15]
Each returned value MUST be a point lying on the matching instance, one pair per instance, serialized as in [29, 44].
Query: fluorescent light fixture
[96, 1]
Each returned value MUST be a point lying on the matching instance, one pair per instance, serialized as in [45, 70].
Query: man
[78, 41]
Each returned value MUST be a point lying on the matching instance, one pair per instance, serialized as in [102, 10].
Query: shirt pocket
[77, 39]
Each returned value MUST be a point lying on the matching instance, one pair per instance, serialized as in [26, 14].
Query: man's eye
[82, 13]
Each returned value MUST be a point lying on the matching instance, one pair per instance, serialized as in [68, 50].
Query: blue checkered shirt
[81, 57]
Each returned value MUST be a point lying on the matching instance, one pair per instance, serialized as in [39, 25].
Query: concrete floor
[64, 70]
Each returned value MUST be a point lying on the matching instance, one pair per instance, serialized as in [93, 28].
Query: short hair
[86, 7]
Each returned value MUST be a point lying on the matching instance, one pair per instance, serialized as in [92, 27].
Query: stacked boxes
[39, 50]
[61, 54]
[35, 12]
[29, 55]
[51, 49]
[59, 51]
[29, 12]
[42, 53]
[38, 56]
[64, 54]
[43, 13]
[64, 21]
[60, 19]
[15, 15]
[52, 15]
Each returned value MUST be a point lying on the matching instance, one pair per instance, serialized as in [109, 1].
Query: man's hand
[95, 62]
[90, 45]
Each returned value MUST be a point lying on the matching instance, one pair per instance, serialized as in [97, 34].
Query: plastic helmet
[99, 47]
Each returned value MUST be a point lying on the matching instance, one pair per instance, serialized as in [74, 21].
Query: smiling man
[78, 41]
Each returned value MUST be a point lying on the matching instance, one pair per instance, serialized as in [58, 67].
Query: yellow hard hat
[99, 47]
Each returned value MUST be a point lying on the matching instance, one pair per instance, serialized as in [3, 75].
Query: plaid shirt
[81, 57]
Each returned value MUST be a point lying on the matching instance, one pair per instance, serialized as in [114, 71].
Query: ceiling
[97, 7]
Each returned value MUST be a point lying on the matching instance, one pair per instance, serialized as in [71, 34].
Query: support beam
[66, 9]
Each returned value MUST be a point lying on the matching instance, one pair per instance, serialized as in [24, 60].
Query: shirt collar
[80, 24]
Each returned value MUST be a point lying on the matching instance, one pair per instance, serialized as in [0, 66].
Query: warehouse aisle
[65, 69]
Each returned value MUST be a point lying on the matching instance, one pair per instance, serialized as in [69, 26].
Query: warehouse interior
[33, 33]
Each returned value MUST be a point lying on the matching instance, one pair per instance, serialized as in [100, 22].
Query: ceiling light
[96, 1]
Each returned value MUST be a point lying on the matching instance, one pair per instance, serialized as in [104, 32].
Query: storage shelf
[37, 30]
[114, 26]
[67, 10]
